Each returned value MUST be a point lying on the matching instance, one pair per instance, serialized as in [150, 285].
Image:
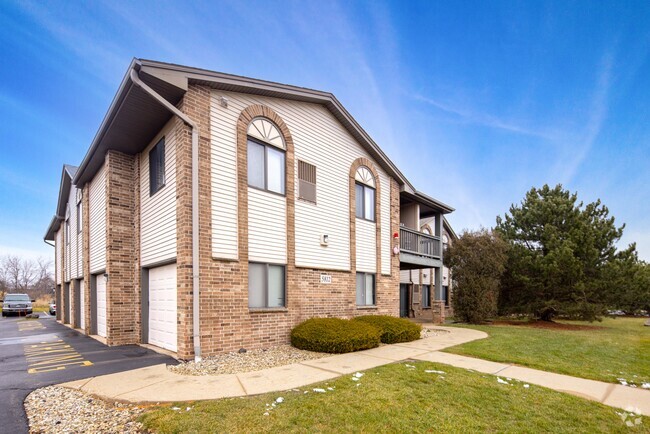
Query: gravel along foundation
[252, 360]
[58, 410]
[255, 360]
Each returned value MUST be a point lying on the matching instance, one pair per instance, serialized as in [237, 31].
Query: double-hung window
[157, 167]
[266, 285]
[426, 295]
[365, 289]
[266, 156]
[365, 194]
[266, 167]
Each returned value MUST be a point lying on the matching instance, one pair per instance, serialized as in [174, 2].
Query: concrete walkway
[158, 384]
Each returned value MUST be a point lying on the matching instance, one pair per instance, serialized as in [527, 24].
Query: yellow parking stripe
[29, 326]
[52, 356]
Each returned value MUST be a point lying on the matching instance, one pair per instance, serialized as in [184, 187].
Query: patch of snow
[266, 414]
[526, 386]
[279, 400]
[175, 408]
[358, 374]
[433, 371]
[501, 381]
[645, 385]
[317, 390]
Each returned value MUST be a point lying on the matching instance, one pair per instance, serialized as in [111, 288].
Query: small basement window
[266, 285]
[306, 181]
[157, 167]
[365, 289]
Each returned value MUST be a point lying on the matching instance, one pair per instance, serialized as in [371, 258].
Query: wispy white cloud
[472, 116]
[598, 107]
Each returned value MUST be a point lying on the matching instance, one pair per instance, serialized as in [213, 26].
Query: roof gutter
[135, 78]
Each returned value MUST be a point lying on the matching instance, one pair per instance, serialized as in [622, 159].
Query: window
[365, 194]
[266, 158]
[365, 289]
[266, 167]
[266, 285]
[445, 242]
[426, 295]
[79, 222]
[157, 167]
[67, 231]
[306, 181]
[445, 294]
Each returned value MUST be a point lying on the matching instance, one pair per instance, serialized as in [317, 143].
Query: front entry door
[403, 301]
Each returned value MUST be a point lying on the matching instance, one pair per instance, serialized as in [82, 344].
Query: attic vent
[306, 181]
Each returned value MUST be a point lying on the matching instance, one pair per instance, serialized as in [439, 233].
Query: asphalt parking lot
[40, 352]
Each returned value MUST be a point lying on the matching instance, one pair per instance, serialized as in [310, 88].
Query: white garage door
[163, 327]
[82, 302]
[101, 305]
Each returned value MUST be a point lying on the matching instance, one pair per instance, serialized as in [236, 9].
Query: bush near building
[334, 335]
[393, 330]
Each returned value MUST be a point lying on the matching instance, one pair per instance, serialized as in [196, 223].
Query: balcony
[419, 250]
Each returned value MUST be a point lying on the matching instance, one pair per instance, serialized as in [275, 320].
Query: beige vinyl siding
[427, 276]
[66, 248]
[58, 243]
[366, 238]
[267, 227]
[223, 161]
[97, 205]
[158, 212]
[76, 239]
[319, 139]
[385, 234]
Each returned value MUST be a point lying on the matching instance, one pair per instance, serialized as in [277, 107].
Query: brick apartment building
[214, 212]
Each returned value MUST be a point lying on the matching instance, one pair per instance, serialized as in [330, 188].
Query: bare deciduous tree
[25, 276]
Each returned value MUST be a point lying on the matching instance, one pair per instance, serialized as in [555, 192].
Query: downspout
[195, 206]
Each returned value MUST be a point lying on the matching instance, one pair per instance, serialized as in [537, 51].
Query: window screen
[157, 167]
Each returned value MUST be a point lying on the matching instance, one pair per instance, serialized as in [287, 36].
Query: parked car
[53, 308]
[19, 304]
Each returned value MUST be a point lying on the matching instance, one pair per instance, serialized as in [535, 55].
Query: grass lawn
[620, 348]
[396, 398]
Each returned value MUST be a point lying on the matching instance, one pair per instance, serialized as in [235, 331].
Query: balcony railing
[418, 243]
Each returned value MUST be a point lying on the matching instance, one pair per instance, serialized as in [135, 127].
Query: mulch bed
[549, 325]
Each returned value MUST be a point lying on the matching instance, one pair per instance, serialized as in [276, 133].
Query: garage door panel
[101, 305]
[163, 327]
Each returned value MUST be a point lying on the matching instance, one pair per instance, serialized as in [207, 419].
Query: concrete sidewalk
[158, 384]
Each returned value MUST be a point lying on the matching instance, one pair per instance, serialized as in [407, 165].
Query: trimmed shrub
[393, 330]
[334, 335]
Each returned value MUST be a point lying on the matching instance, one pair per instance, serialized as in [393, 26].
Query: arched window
[365, 193]
[445, 242]
[426, 230]
[266, 156]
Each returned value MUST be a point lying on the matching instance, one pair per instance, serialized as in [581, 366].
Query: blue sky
[476, 102]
